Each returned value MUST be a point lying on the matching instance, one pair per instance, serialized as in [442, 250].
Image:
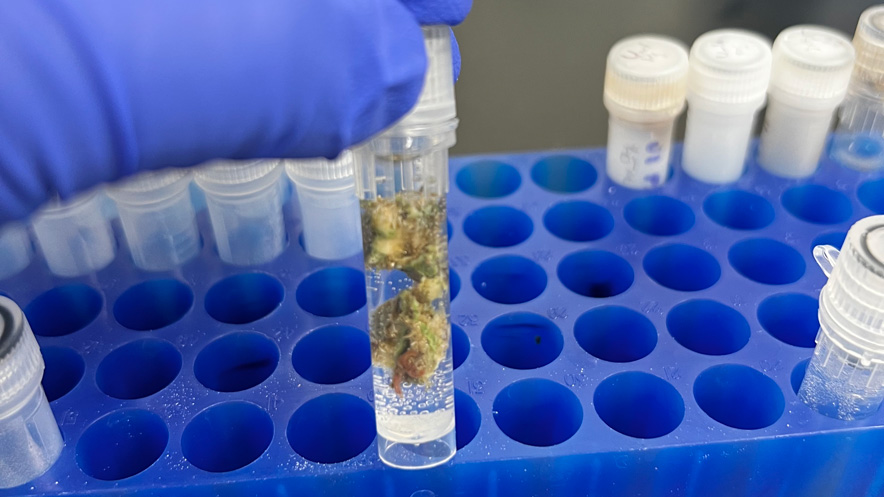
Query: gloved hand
[93, 90]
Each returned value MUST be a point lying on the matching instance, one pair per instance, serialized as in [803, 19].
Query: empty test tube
[645, 82]
[15, 249]
[30, 441]
[402, 190]
[859, 135]
[326, 191]
[809, 75]
[727, 84]
[845, 376]
[158, 218]
[245, 207]
[74, 236]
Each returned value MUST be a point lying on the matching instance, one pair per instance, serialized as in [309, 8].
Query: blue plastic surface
[609, 342]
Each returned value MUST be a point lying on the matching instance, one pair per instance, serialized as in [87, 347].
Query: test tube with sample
[809, 75]
[15, 249]
[845, 376]
[244, 199]
[158, 218]
[74, 236]
[326, 191]
[30, 441]
[859, 136]
[402, 189]
[727, 84]
[645, 81]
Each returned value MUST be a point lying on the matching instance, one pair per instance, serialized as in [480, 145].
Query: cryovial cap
[235, 178]
[436, 102]
[342, 167]
[811, 63]
[853, 298]
[646, 77]
[150, 187]
[869, 44]
[730, 66]
[21, 365]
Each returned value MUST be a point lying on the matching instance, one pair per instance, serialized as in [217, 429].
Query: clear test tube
[30, 441]
[74, 236]
[645, 81]
[158, 218]
[809, 75]
[845, 376]
[245, 206]
[402, 191]
[15, 249]
[326, 192]
[727, 84]
[859, 135]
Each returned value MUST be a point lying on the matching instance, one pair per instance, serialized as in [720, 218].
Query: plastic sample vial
[326, 192]
[810, 70]
[245, 206]
[859, 135]
[645, 81]
[30, 440]
[15, 249]
[845, 376]
[402, 188]
[158, 218]
[727, 84]
[74, 236]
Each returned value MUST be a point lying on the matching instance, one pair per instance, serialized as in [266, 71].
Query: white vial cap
[811, 63]
[21, 365]
[646, 78]
[730, 66]
[436, 102]
[150, 187]
[237, 178]
[341, 168]
[869, 44]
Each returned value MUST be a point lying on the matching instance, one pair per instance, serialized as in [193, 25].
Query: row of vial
[245, 205]
[725, 80]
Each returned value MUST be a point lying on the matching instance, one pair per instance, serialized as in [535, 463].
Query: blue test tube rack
[607, 342]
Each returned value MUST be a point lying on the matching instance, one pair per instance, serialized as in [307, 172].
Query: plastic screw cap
[869, 44]
[342, 167]
[21, 365]
[730, 66]
[235, 178]
[811, 63]
[149, 187]
[646, 78]
[436, 103]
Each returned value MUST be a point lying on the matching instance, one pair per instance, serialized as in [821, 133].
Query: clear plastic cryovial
[809, 75]
[74, 236]
[845, 376]
[727, 85]
[402, 190]
[245, 206]
[30, 441]
[15, 249]
[326, 191]
[645, 81]
[158, 218]
[859, 135]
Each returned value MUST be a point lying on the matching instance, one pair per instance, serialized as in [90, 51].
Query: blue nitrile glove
[93, 90]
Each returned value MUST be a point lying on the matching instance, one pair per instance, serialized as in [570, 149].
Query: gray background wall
[533, 69]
